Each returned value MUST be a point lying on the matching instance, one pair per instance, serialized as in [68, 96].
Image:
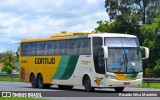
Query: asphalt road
[78, 93]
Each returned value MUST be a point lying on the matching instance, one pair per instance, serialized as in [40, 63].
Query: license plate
[126, 83]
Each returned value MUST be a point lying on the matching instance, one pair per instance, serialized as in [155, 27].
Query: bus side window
[72, 47]
[49, 48]
[63, 46]
[60, 48]
[84, 47]
[24, 49]
[32, 49]
[39, 48]
[57, 48]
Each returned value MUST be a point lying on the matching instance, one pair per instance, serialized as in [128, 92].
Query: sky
[41, 18]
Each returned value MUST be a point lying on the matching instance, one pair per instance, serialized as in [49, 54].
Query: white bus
[105, 60]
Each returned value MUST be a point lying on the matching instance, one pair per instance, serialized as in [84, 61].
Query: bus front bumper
[122, 83]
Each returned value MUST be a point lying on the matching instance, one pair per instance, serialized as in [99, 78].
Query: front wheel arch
[87, 84]
[84, 78]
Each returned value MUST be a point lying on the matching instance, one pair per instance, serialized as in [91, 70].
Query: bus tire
[65, 87]
[87, 84]
[33, 81]
[41, 84]
[119, 89]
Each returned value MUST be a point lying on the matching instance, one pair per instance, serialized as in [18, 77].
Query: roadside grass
[20, 98]
[151, 85]
[9, 79]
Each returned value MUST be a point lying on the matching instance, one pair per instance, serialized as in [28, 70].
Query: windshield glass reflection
[124, 60]
[124, 55]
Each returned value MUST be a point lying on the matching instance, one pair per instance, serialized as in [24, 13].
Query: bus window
[24, 49]
[39, 48]
[72, 47]
[56, 48]
[49, 48]
[60, 48]
[32, 50]
[84, 47]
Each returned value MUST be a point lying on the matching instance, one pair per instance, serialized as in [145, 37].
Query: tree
[157, 68]
[7, 69]
[103, 27]
[113, 27]
[142, 11]
[8, 58]
[129, 15]
[152, 40]
[1, 57]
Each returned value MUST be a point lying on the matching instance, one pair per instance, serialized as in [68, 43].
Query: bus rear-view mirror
[145, 52]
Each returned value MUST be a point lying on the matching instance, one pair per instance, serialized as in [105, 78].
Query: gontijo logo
[44, 60]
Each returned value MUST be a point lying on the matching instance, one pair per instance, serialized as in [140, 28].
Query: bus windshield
[124, 55]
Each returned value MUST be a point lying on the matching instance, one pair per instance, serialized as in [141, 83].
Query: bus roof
[61, 36]
[74, 35]
[112, 35]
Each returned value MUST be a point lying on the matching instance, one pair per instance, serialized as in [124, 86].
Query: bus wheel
[41, 84]
[33, 81]
[64, 87]
[87, 84]
[40, 81]
[119, 89]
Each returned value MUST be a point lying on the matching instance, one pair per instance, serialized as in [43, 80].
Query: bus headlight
[139, 76]
[111, 76]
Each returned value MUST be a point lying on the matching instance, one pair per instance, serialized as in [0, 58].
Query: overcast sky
[41, 18]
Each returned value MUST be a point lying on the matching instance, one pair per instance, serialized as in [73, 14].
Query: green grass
[9, 79]
[151, 85]
[19, 98]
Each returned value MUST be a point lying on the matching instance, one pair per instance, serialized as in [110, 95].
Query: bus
[103, 60]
